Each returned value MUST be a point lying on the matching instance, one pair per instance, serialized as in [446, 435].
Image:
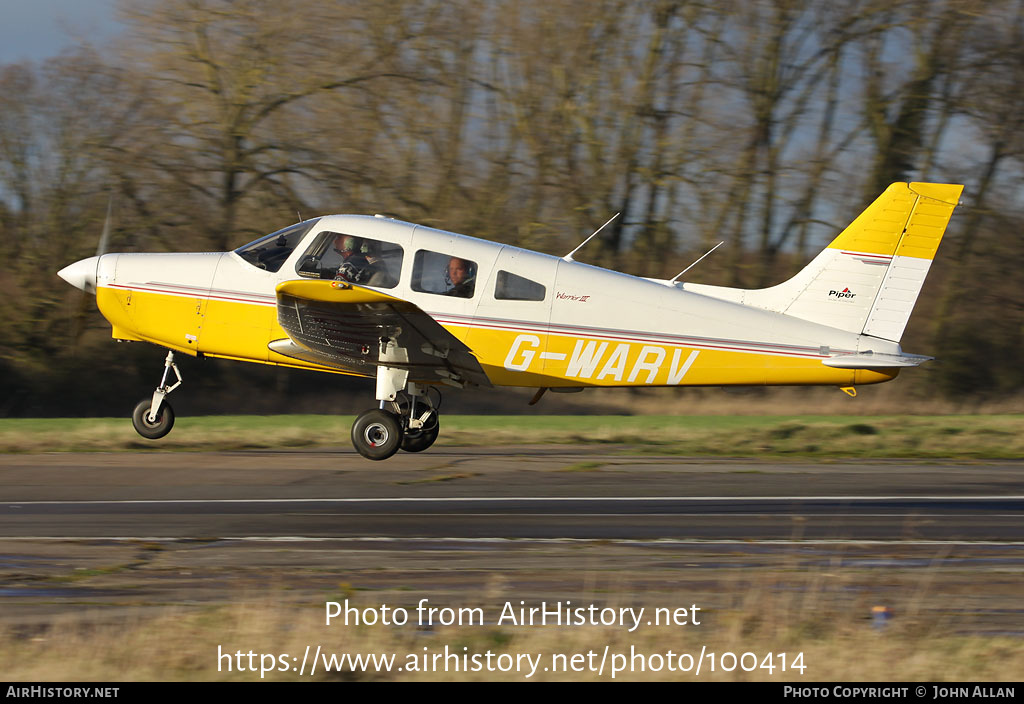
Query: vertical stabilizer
[868, 279]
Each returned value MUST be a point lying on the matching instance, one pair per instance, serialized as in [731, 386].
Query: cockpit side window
[444, 274]
[360, 260]
[271, 251]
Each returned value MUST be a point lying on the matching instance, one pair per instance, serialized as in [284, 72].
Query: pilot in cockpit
[354, 266]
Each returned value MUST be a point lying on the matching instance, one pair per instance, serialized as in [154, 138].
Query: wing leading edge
[346, 327]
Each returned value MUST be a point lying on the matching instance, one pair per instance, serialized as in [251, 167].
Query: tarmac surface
[95, 535]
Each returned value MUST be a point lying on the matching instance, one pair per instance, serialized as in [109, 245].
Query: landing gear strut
[422, 422]
[410, 424]
[153, 417]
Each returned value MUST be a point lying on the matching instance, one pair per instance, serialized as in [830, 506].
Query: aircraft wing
[340, 325]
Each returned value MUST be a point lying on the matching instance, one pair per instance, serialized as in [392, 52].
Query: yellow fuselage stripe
[517, 357]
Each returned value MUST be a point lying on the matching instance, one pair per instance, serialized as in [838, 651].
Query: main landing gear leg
[411, 425]
[153, 417]
[422, 423]
[377, 434]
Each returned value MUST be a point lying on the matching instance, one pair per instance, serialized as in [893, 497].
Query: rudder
[912, 259]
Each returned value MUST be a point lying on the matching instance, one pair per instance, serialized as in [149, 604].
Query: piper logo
[845, 293]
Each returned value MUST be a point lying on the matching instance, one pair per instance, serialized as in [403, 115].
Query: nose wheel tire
[377, 434]
[157, 429]
[420, 440]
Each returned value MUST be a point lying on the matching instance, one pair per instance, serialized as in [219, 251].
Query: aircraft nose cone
[81, 274]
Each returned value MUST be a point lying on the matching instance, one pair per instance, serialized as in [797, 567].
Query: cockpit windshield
[271, 251]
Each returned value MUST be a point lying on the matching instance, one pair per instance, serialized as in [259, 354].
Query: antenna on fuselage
[675, 278]
[568, 257]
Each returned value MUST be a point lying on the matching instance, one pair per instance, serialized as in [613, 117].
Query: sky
[39, 29]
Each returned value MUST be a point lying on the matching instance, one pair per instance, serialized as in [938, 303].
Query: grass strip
[926, 437]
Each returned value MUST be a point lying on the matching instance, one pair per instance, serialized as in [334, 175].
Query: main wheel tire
[419, 440]
[377, 434]
[153, 431]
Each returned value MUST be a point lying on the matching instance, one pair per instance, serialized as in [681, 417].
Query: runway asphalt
[110, 532]
[539, 493]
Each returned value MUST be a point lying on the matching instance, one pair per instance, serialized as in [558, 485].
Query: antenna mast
[676, 277]
[568, 257]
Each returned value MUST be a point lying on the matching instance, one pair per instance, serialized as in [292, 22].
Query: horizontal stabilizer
[875, 360]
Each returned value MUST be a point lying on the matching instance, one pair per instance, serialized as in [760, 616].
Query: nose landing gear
[153, 417]
[157, 428]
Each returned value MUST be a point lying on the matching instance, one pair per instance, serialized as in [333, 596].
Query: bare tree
[231, 76]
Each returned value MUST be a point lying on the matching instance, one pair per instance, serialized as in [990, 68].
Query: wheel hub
[376, 434]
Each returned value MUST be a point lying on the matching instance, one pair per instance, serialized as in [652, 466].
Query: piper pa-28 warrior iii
[419, 308]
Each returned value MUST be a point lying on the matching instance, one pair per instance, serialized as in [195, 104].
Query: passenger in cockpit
[461, 275]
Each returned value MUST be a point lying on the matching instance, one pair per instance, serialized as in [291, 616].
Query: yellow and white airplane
[418, 308]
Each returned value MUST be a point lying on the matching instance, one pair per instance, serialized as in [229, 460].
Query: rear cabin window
[512, 287]
[359, 260]
[443, 274]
